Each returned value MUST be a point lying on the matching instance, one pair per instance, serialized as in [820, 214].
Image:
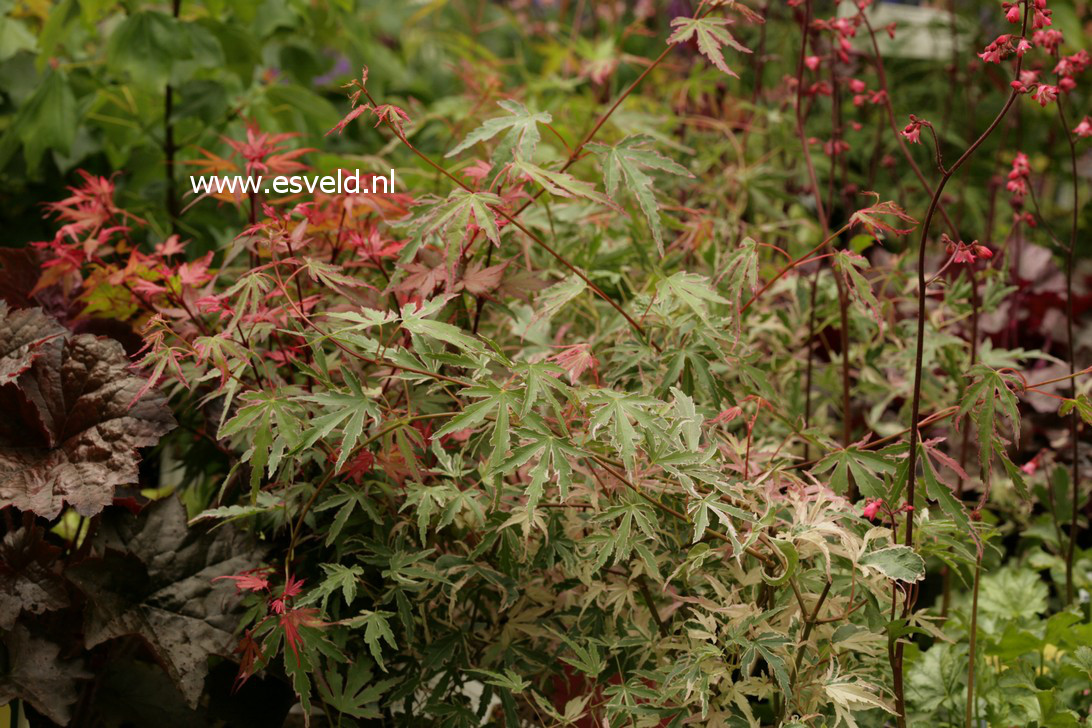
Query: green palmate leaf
[741, 274]
[146, 45]
[627, 160]
[625, 526]
[347, 501]
[617, 412]
[896, 562]
[764, 646]
[543, 387]
[358, 694]
[346, 411]
[272, 422]
[377, 630]
[937, 490]
[521, 133]
[450, 220]
[585, 658]
[865, 466]
[337, 578]
[554, 298]
[1081, 404]
[704, 508]
[510, 680]
[689, 421]
[562, 184]
[496, 401]
[428, 500]
[328, 274]
[552, 455]
[711, 35]
[991, 390]
[692, 291]
[415, 322]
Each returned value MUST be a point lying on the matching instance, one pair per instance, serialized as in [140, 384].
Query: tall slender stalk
[973, 641]
[819, 209]
[1070, 346]
[919, 353]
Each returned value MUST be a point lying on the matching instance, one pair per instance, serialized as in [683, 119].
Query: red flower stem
[915, 409]
[1073, 421]
[820, 212]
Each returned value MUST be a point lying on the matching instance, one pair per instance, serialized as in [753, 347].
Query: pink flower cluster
[912, 131]
[1017, 186]
[966, 252]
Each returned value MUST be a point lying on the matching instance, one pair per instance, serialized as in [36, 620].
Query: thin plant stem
[919, 355]
[1070, 346]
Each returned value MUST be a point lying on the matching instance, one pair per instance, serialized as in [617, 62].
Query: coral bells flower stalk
[1018, 179]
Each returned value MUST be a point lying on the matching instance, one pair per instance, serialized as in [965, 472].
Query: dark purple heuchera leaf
[153, 578]
[28, 582]
[36, 675]
[22, 335]
[69, 434]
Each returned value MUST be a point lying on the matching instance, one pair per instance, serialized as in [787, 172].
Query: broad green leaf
[146, 45]
[46, 122]
[897, 562]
